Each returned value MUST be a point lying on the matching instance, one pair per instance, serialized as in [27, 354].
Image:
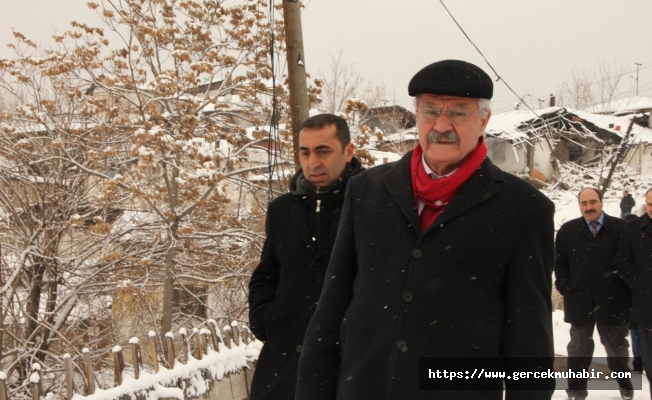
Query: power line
[498, 77]
[550, 143]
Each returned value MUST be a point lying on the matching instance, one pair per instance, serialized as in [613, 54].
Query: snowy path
[560, 330]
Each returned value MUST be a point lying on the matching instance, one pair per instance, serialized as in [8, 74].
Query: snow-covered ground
[567, 208]
[562, 337]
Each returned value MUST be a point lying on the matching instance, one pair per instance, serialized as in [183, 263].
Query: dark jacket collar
[480, 187]
[300, 186]
[644, 221]
[334, 196]
[583, 228]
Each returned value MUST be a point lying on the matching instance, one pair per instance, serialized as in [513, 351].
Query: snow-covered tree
[119, 149]
[591, 91]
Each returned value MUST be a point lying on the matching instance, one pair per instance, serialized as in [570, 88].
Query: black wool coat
[585, 273]
[634, 261]
[627, 203]
[477, 283]
[286, 284]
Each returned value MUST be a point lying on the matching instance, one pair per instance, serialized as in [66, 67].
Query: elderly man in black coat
[440, 254]
[301, 227]
[593, 293]
[634, 260]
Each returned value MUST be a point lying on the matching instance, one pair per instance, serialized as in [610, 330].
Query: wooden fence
[213, 364]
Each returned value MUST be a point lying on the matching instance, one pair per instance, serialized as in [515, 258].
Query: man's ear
[485, 121]
[348, 151]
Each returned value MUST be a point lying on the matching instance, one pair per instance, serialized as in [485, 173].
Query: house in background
[629, 105]
[389, 119]
[534, 142]
[400, 142]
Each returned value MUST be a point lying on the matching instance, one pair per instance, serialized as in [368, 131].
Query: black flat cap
[452, 78]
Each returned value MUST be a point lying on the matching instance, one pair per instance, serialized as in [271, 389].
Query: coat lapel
[644, 223]
[300, 221]
[480, 187]
[583, 227]
[399, 183]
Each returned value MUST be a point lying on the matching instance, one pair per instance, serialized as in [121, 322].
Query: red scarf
[437, 193]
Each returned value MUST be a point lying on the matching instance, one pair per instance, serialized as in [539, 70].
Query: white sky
[532, 44]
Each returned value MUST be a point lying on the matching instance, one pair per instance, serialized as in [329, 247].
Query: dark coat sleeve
[624, 259]
[320, 358]
[562, 271]
[264, 280]
[528, 319]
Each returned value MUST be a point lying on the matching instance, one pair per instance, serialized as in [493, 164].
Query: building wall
[542, 159]
[507, 157]
[639, 158]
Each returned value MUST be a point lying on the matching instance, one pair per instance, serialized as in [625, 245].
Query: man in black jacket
[440, 255]
[634, 260]
[300, 228]
[593, 294]
[626, 204]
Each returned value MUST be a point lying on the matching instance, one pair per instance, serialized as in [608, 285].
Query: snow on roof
[402, 136]
[506, 125]
[610, 122]
[514, 125]
[627, 105]
[380, 155]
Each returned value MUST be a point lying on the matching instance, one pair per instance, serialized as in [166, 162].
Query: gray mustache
[446, 137]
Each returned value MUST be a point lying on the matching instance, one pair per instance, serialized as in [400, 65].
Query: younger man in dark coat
[300, 228]
[593, 293]
[634, 260]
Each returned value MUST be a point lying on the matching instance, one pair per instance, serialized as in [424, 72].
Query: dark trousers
[637, 348]
[645, 331]
[580, 353]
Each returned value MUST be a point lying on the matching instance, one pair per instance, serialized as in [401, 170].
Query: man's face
[625, 193]
[590, 205]
[447, 143]
[648, 204]
[321, 155]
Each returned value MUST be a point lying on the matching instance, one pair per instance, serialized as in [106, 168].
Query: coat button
[416, 253]
[401, 345]
[299, 348]
[313, 308]
[407, 297]
[313, 266]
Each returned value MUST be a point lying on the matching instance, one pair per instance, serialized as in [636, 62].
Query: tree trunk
[168, 291]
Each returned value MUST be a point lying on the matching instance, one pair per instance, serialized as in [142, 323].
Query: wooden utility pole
[619, 154]
[296, 70]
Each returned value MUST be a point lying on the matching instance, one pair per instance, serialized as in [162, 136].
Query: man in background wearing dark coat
[626, 204]
[440, 254]
[593, 294]
[634, 260]
[300, 228]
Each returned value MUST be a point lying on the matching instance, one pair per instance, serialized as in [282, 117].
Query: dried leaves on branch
[121, 148]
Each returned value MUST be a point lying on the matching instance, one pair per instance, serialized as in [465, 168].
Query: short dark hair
[321, 120]
[589, 188]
